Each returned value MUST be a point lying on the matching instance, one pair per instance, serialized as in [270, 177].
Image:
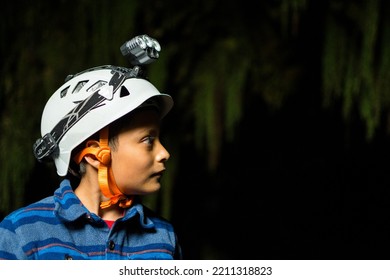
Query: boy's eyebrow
[150, 130]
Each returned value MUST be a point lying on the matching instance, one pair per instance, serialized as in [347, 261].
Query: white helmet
[88, 102]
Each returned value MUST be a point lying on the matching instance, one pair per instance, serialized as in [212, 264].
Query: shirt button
[111, 245]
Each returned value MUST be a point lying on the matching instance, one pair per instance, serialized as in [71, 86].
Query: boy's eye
[149, 139]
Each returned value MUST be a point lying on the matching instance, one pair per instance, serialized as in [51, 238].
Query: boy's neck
[91, 196]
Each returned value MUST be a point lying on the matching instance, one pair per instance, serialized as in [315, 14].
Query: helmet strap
[106, 178]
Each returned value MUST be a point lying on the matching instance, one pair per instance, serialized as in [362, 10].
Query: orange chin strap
[106, 179]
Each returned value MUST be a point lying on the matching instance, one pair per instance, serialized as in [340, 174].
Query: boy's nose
[163, 154]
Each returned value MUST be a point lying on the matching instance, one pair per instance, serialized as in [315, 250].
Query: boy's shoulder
[33, 209]
[43, 207]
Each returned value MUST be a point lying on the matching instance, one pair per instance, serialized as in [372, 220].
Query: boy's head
[88, 102]
[114, 130]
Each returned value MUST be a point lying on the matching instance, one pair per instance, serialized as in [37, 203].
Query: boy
[103, 126]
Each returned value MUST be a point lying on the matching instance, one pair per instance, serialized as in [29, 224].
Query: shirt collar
[69, 208]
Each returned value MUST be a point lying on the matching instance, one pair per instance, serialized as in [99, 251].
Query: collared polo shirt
[61, 227]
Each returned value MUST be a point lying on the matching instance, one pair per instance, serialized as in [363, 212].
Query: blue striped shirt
[60, 227]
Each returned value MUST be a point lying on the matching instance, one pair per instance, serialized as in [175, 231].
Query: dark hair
[116, 127]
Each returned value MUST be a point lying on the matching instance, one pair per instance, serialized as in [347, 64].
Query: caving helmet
[94, 98]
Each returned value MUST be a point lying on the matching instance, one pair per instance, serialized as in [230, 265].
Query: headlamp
[141, 50]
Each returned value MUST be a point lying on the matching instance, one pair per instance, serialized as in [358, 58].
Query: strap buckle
[44, 146]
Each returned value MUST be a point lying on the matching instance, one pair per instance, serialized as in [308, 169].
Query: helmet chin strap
[106, 178]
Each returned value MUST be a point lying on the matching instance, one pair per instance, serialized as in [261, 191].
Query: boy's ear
[92, 160]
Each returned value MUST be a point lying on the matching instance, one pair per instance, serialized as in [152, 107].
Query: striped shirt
[60, 227]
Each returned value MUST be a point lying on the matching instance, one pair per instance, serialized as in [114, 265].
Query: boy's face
[138, 160]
